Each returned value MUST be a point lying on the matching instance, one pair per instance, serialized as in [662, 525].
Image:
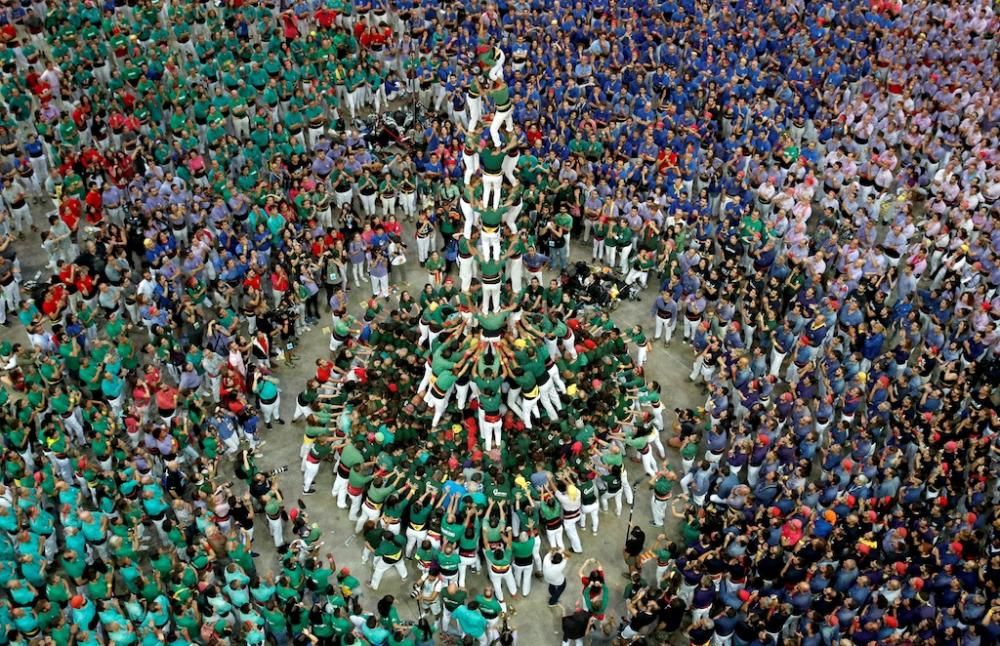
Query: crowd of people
[809, 189]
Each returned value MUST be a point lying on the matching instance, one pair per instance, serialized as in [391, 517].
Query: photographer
[427, 593]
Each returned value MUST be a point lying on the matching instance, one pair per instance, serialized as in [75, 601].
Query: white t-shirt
[554, 573]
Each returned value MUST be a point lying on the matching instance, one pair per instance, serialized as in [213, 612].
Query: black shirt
[635, 542]
[701, 635]
[575, 625]
[641, 620]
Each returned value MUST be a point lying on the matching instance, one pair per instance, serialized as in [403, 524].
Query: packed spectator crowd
[808, 190]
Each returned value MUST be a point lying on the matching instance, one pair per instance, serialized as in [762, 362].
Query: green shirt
[491, 160]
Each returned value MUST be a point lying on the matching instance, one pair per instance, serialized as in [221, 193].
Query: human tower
[489, 251]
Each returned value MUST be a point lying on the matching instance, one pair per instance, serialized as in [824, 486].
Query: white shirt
[146, 287]
[569, 503]
[554, 573]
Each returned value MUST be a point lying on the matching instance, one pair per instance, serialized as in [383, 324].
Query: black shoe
[268, 425]
[281, 421]
[309, 492]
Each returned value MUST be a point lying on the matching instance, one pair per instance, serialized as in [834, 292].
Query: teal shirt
[471, 622]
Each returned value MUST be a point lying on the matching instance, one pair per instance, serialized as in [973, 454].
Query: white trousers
[491, 294]
[555, 537]
[529, 409]
[470, 218]
[591, 511]
[516, 273]
[570, 526]
[665, 328]
[271, 412]
[440, 405]
[471, 165]
[623, 258]
[309, 475]
[499, 579]
[490, 432]
[510, 217]
[368, 204]
[492, 185]
[509, 166]
[501, 118]
[475, 112]
[491, 244]
[277, 530]
[381, 567]
[466, 271]
[658, 509]
[413, 538]
[408, 202]
[380, 286]
[423, 248]
[522, 579]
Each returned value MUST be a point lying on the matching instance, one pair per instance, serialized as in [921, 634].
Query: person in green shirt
[491, 279]
[612, 489]
[452, 598]
[499, 559]
[416, 528]
[491, 160]
[470, 621]
[662, 484]
[502, 115]
[389, 555]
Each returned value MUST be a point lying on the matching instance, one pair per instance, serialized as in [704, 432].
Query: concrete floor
[535, 622]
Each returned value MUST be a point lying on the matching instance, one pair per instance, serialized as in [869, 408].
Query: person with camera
[427, 593]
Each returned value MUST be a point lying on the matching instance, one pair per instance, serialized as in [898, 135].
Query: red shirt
[66, 274]
[94, 203]
[8, 34]
[279, 282]
[666, 159]
[290, 26]
[166, 398]
[80, 116]
[38, 87]
[84, 284]
[91, 158]
[252, 281]
[325, 17]
[116, 122]
[54, 301]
